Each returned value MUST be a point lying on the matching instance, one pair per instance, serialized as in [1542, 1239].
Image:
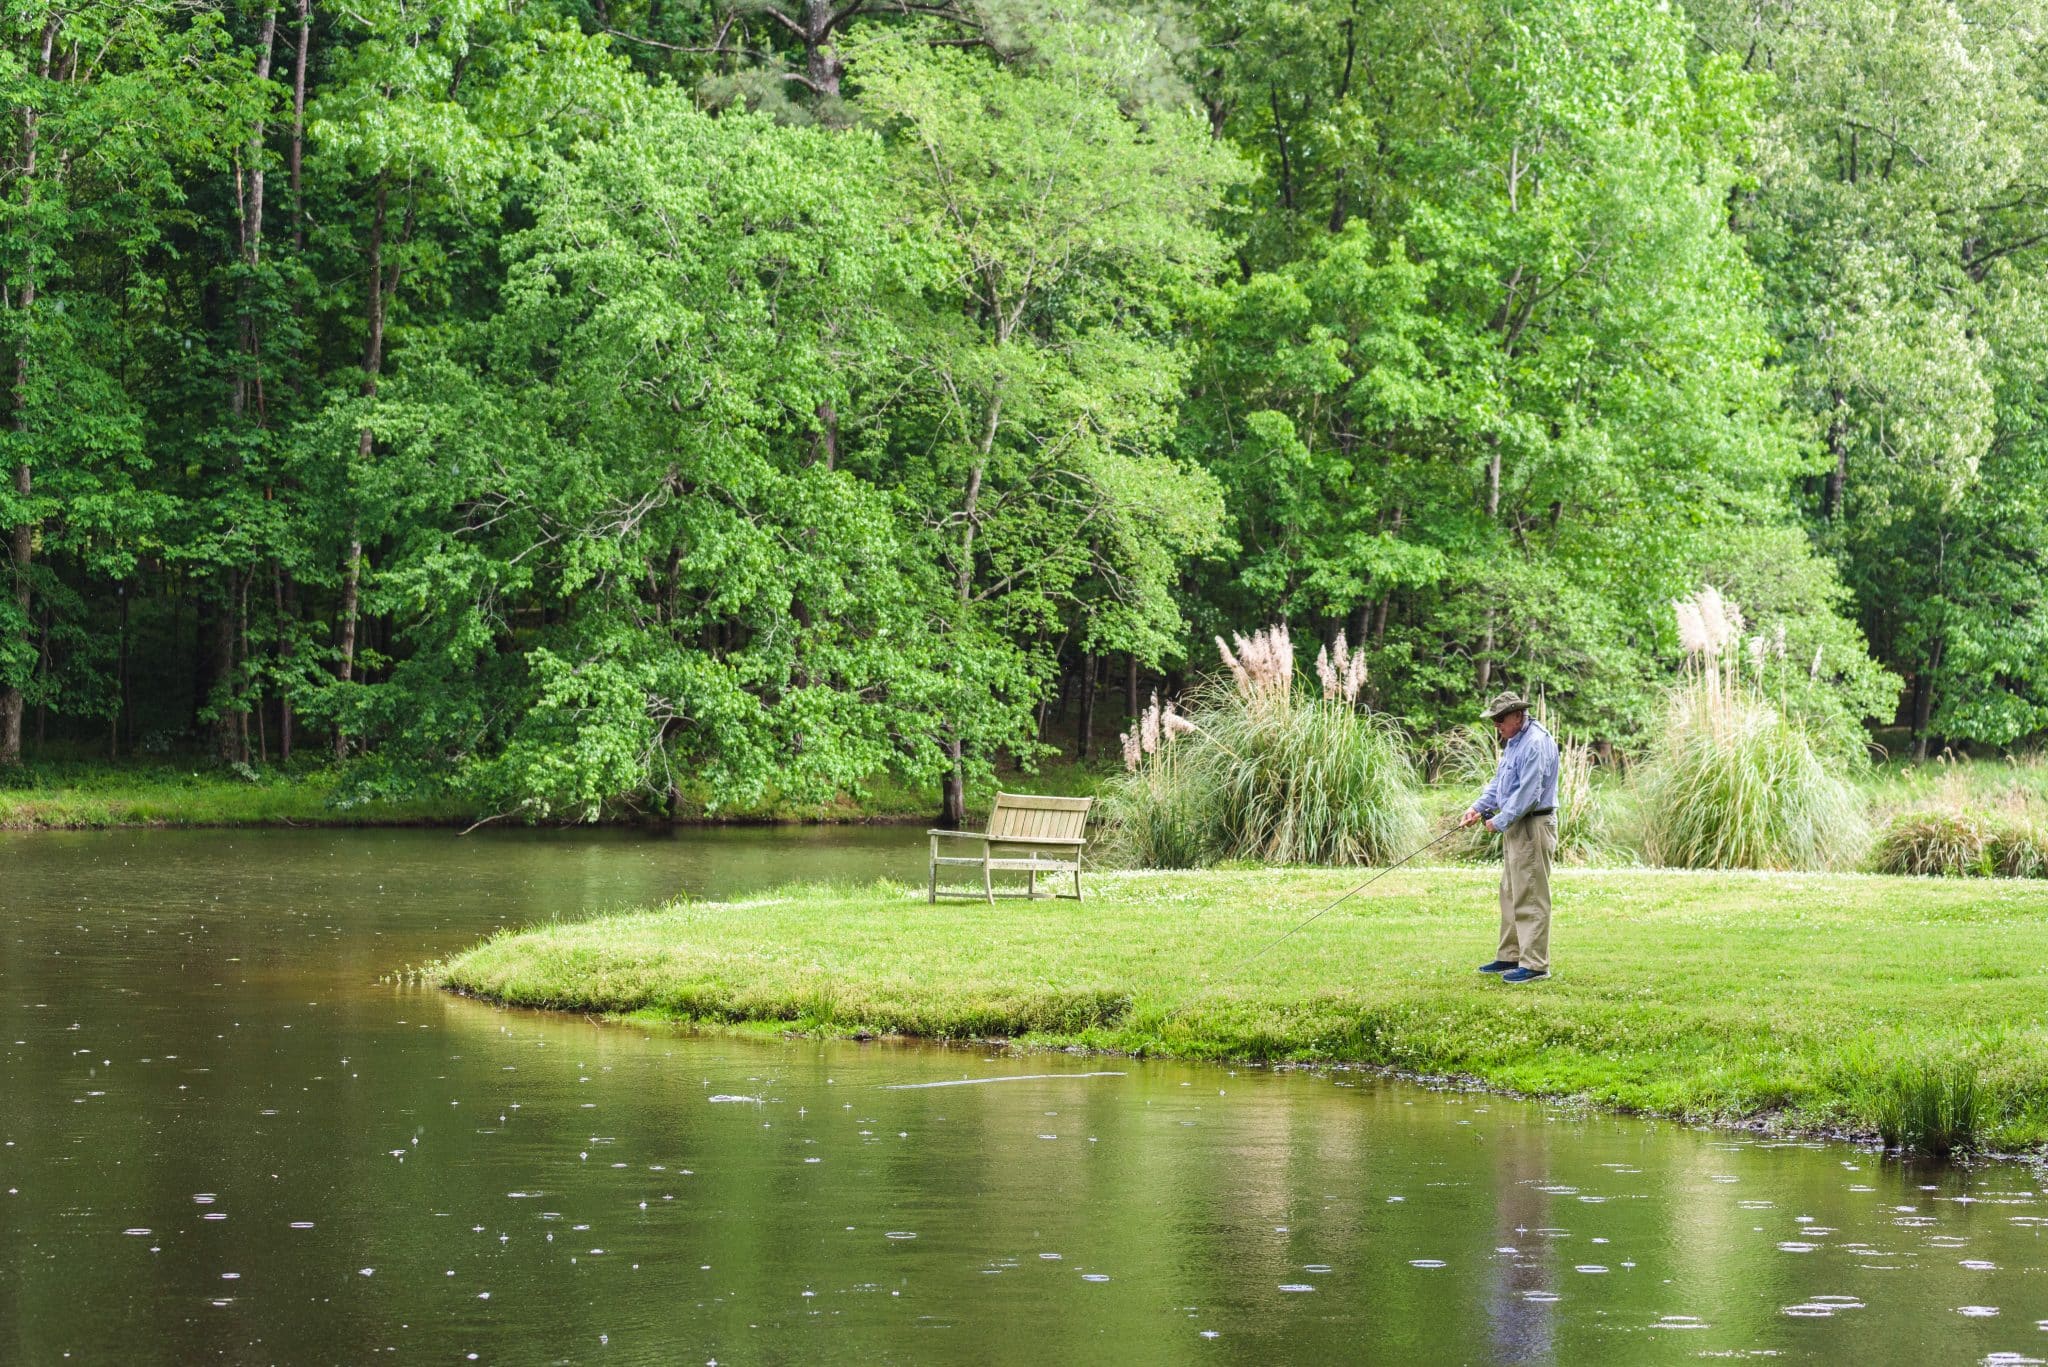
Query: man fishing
[1521, 804]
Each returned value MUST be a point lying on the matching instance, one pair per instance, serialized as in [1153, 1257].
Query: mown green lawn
[1709, 995]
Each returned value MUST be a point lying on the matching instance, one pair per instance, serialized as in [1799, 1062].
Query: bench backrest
[1042, 818]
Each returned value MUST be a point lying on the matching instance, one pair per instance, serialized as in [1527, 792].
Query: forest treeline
[583, 402]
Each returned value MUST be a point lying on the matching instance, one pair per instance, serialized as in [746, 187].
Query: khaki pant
[1525, 849]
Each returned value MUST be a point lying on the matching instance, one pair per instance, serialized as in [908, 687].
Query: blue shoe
[1524, 975]
[1498, 966]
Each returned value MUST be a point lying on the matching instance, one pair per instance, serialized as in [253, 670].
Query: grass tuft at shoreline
[1807, 998]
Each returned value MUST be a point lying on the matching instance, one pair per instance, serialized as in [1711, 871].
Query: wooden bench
[1028, 835]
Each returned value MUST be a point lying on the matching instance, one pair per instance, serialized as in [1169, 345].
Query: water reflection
[226, 1136]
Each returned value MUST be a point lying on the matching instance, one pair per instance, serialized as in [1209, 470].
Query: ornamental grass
[1267, 767]
[1961, 842]
[1733, 780]
[1932, 1107]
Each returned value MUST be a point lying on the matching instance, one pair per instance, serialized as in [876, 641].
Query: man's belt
[1539, 811]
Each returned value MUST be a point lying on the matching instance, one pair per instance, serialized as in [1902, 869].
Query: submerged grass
[1716, 996]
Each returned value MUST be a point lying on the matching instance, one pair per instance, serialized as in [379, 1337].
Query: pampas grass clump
[1731, 781]
[1265, 768]
[1961, 842]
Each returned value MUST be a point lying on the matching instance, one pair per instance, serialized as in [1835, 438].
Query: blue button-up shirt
[1526, 778]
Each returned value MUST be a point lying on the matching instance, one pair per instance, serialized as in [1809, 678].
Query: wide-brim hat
[1504, 703]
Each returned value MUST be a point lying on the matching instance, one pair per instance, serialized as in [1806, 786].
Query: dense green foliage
[1916, 1010]
[566, 405]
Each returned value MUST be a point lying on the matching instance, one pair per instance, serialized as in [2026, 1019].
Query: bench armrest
[958, 835]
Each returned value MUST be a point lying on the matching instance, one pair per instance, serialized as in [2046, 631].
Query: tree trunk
[373, 365]
[1087, 732]
[241, 713]
[1923, 704]
[280, 651]
[1486, 653]
[223, 673]
[346, 670]
[21, 545]
[298, 152]
[120, 681]
[21, 549]
[1492, 514]
[953, 789]
[953, 798]
[43, 670]
[822, 67]
[1131, 685]
[826, 445]
[1838, 475]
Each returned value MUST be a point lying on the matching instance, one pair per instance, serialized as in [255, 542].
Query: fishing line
[1360, 888]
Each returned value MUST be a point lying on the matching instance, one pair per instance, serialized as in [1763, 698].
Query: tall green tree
[1897, 209]
[635, 568]
[112, 104]
[1495, 379]
[1043, 369]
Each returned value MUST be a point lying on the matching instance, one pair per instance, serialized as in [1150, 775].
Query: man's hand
[1471, 816]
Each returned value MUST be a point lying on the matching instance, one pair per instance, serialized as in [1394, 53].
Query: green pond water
[231, 1132]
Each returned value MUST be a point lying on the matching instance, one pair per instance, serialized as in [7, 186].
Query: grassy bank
[1822, 1001]
[86, 795]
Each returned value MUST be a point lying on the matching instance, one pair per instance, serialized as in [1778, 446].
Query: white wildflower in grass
[1149, 726]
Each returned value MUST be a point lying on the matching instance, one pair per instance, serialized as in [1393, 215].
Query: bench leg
[1031, 884]
[931, 894]
[988, 887]
[1077, 882]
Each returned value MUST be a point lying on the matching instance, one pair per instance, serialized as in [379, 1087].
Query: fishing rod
[1360, 888]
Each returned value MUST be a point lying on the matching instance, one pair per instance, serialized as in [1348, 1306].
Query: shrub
[1731, 781]
[1264, 768]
